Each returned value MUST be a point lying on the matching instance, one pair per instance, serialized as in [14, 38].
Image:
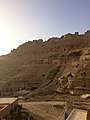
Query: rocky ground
[53, 110]
[44, 110]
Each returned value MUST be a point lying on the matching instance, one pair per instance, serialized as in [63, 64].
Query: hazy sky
[23, 20]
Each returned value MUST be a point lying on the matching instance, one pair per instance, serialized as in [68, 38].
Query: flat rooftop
[6, 105]
[78, 114]
[7, 100]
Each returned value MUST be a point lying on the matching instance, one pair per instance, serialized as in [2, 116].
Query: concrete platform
[6, 105]
[6, 101]
[78, 114]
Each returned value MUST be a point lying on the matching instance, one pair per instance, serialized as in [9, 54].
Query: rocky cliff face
[59, 65]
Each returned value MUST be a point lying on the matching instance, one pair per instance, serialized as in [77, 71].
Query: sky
[27, 20]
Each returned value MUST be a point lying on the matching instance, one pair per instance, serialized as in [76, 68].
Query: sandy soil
[44, 110]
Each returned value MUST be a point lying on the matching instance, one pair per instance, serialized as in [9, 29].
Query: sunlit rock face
[59, 65]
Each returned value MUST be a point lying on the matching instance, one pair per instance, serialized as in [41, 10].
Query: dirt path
[44, 110]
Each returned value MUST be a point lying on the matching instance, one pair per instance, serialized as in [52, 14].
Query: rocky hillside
[59, 65]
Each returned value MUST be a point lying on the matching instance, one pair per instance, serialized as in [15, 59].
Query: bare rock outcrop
[59, 65]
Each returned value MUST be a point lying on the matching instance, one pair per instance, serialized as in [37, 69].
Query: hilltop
[48, 69]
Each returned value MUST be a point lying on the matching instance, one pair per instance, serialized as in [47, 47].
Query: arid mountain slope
[59, 65]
